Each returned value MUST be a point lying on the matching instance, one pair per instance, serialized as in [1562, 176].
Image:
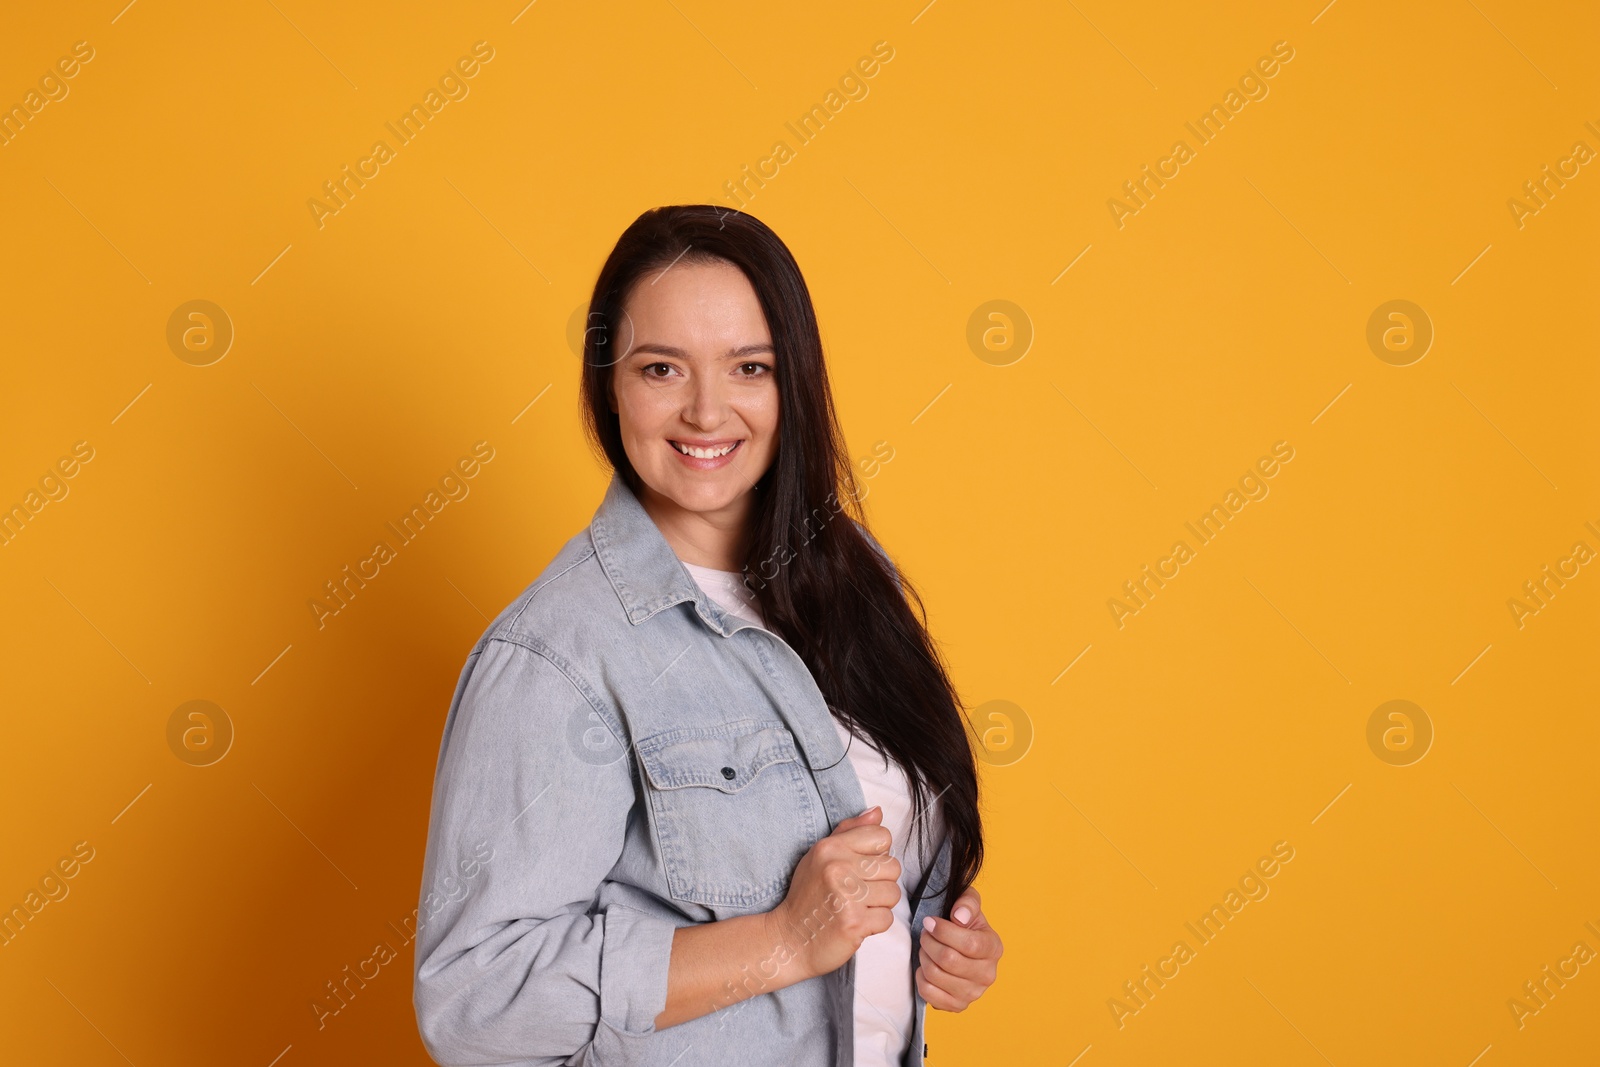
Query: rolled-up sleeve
[516, 961]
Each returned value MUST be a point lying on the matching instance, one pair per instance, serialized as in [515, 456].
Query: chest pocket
[734, 810]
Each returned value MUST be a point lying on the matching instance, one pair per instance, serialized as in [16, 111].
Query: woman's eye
[753, 370]
[650, 368]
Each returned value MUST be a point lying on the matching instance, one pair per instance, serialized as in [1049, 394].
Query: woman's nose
[707, 402]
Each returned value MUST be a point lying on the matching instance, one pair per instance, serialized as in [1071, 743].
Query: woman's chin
[707, 495]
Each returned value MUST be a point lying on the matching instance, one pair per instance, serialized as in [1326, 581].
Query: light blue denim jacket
[622, 757]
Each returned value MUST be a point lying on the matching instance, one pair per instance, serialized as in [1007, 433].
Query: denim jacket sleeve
[516, 961]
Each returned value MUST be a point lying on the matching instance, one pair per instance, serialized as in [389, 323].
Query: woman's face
[697, 374]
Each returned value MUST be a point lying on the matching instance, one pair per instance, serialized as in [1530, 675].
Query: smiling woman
[784, 789]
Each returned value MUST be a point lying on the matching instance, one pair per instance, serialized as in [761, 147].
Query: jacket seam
[579, 684]
[539, 586]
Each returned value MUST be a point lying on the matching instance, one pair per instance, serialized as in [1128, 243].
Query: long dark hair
[833, 597]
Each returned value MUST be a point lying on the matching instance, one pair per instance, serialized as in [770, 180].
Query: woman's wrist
[717, 964]
[787, 949]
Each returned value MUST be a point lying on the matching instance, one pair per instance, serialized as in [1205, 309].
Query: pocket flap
[726, 757]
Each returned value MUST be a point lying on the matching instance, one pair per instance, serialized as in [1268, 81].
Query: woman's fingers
[958, 960]
[976, 968]
[880, 866]
[966, 907]
[975, 942]
[934, 985]
[872, 815]
[964, 989]
[869, 839]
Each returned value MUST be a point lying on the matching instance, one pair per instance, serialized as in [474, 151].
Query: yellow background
[1229, 313]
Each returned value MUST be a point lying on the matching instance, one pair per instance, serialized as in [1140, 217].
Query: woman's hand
[843, 891]
[960, 958]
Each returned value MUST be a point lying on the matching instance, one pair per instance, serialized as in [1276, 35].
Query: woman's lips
[706, 463]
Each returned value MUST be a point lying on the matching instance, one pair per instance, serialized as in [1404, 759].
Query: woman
[650, 840]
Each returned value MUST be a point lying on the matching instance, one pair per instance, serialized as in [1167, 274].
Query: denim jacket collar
[646, 573]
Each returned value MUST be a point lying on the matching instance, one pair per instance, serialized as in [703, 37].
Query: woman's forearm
[716, 964]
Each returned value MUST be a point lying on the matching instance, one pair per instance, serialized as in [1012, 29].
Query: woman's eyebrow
[733, 353]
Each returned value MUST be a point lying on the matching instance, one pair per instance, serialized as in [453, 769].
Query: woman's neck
[714, 539]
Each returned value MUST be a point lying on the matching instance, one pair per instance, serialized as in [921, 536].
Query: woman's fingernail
[961, 915]
[927, 923]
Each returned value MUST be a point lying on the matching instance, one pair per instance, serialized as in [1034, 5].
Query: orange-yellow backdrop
[1045, 451]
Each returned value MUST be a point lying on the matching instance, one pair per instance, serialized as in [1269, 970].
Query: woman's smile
[702, 455]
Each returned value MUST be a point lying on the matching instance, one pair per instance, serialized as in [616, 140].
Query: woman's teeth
[704, 453]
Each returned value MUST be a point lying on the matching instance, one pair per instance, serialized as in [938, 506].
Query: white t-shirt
[884, 990]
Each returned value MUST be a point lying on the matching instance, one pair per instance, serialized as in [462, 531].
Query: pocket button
[728, 773]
